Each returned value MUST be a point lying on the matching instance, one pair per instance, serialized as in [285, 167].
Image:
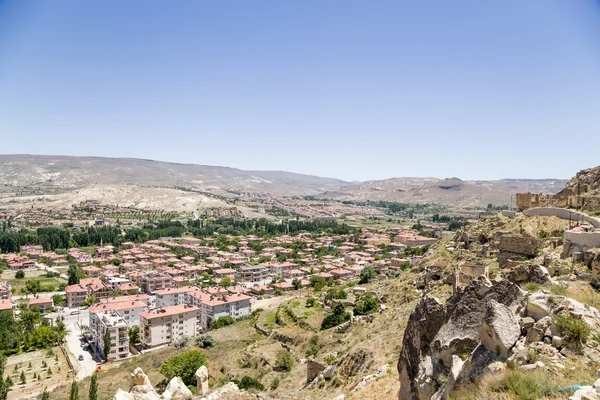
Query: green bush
[526, 386]
[222, 322]
[184, 366]
[181, 343]
[337, 294]
[205, 341]
[310, 302]
[367, 274]
[20, 275]
[337, 316]
[367, 304]
[284, 361]
[560, 289]
[248, 382]
[576, 330]
[275, 383]
[532, 287]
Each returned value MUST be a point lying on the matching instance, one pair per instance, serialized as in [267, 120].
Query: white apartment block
[130, 310]
[100, 321]
[212, 306]
[168, 324]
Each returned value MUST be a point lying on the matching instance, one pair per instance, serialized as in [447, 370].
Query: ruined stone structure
[516, 248]
[581, 192]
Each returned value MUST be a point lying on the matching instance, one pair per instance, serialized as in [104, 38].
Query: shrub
[184, 366]
[525, 386]
[368, 273]
[337, 316]
[576, 330]
[532, 287]
[181, 343]
[367, 304]
[284, 361]
[338, 293]
[560, 289]
[20, 275]
[248, 382]
[595, 283]
[310, 302]
[275, 383]
[205, 341]
[222, 322]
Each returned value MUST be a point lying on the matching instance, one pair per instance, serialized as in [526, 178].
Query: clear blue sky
[350, 89]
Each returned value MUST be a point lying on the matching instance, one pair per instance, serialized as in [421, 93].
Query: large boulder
[467, 310]
[176, 390]
[500, 330]
[435, 335]
[529, 273]
[423, 324]
[539, 305]
[123, 395]
[141, 388]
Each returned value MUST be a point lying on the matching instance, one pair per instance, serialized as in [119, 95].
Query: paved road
[86, 367]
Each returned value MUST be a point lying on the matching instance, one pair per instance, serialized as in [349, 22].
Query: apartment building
[251, 273]
[113, 321]
[167, 324]
[129, 310]
[173, 296]
[144, 298]
[151, 282]
[76, 294]
[41, 303]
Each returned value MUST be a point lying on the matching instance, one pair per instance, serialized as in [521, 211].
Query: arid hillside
[77, 172]
[452, 191]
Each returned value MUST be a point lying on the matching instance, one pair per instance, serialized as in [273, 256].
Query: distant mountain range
[70, 172]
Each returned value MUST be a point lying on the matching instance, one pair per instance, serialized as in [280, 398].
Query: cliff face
[584, 183]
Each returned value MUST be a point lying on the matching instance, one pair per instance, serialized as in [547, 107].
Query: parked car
[75, 312]
[80, 358]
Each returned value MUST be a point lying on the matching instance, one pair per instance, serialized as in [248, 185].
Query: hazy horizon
[351, 90]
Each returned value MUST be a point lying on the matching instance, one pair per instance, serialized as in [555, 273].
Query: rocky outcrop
[436, 335]
[141, 388]
[521, 273]
[500, 330]
[423, 324]
[487, 327]
[515, 247]
[176, 390]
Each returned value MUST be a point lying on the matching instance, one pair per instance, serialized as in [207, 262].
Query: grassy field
[53, 374]
[36, 275]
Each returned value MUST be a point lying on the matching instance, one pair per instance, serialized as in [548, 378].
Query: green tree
[184, 366]
[22, 378]
[284, 361]
[45, 395]
[5, 384]
[335, 317]
[222, 322]
[367, 274]
[20, 275]
[107, 344]
[74, 395]
[73, 275]
[94, 387]
[29, 319]
[134, 335]
[367, 304]
[58, 300]
[226, 282]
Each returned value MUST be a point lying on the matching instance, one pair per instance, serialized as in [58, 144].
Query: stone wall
[577, 243]
[562, 213]
[514, 247]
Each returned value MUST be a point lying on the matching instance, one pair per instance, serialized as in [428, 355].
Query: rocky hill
[586, 183]
[452, 191]
[78, 172]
